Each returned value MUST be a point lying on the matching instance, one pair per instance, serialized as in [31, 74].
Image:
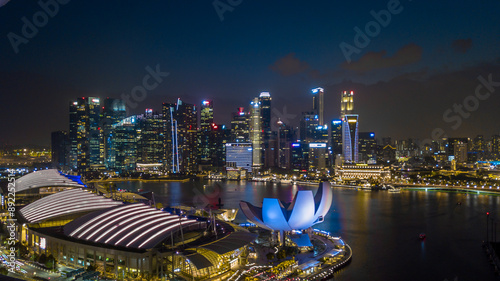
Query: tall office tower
[479, 148]
[336, 137]
[367, 147]
[256, 132]
[86, 134]
[221, 136]
[346, 103]
[350, 138]
[96, 144]
[265, 111]
[60, 149]
[267, 136]
[150, 138]
[113, 111]
[318, 157]
[122, 144]
[206, 145]
[239, 126]
[181, 134]
[170, 140]
[495, 147]
[457, 149]
[319, 104]
[299, 151]
[285, 137]
[308, 125]
[314, 139]
[239, 155]
[73, 135]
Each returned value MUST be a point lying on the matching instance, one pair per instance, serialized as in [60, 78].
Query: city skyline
[401, 70]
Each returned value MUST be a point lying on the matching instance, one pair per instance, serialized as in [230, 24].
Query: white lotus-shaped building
[305, 210]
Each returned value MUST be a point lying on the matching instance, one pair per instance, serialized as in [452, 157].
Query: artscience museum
[303, 212]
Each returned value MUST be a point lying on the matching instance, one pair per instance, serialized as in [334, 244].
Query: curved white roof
[65, 203]
[305, 210]
[133, 225]
[46, 178]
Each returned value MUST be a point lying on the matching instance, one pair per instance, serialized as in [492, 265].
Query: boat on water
[422, 236]
[394, 190]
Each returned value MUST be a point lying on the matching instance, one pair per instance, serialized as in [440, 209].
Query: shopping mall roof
[199, 260]
[47, 178]
[65, 203]
[231, 242]
[136, 226]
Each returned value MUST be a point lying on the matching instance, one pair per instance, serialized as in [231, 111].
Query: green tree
[91, 267]
[51, 262]
[42, 259]
[281, 254]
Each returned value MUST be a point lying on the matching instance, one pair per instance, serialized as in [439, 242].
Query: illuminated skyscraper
[318, 104]
[122, 144]
[367, 147]
[268, 158]
[60, 149]
[336, 137]
[346, 103]
[265, 112]
[350, 138]
[239, 126]
[150, 138]
[170, 141]
[181, 134]
[256, 132]
[206, 145]
[113, 111]
[86, 134]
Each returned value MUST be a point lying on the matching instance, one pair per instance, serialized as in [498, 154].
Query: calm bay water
[382, 228]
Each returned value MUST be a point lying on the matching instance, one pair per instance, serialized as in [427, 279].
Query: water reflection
[381, 227]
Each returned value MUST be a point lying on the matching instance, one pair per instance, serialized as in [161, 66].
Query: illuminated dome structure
[305, 210]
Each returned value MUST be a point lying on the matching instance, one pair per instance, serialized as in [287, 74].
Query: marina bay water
[382, 228]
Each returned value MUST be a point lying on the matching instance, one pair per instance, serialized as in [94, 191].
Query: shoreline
[144, 180]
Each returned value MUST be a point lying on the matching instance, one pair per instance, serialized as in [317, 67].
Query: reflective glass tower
[319, 104]
[350, 138]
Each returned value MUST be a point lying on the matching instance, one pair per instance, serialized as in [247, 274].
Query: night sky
[427, 58]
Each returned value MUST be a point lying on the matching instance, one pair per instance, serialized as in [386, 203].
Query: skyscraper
[265, 111]
[150, 138]
[113, 111]
[349, 127]
[346, 103]
[350, 138]
[60, 149]
[256, 132]
[181, 134]
[239, 126]
[170, 141]
[267, 136]
[318, 104]
[367, 147]
[122, 144]
[86, 134]
[336, 137]
[206, 145]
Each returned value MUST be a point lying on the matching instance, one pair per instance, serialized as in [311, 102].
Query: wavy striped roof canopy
[136, 226]
[47, 178]
[64, 203]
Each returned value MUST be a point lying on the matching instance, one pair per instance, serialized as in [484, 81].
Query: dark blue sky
[424, 61]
